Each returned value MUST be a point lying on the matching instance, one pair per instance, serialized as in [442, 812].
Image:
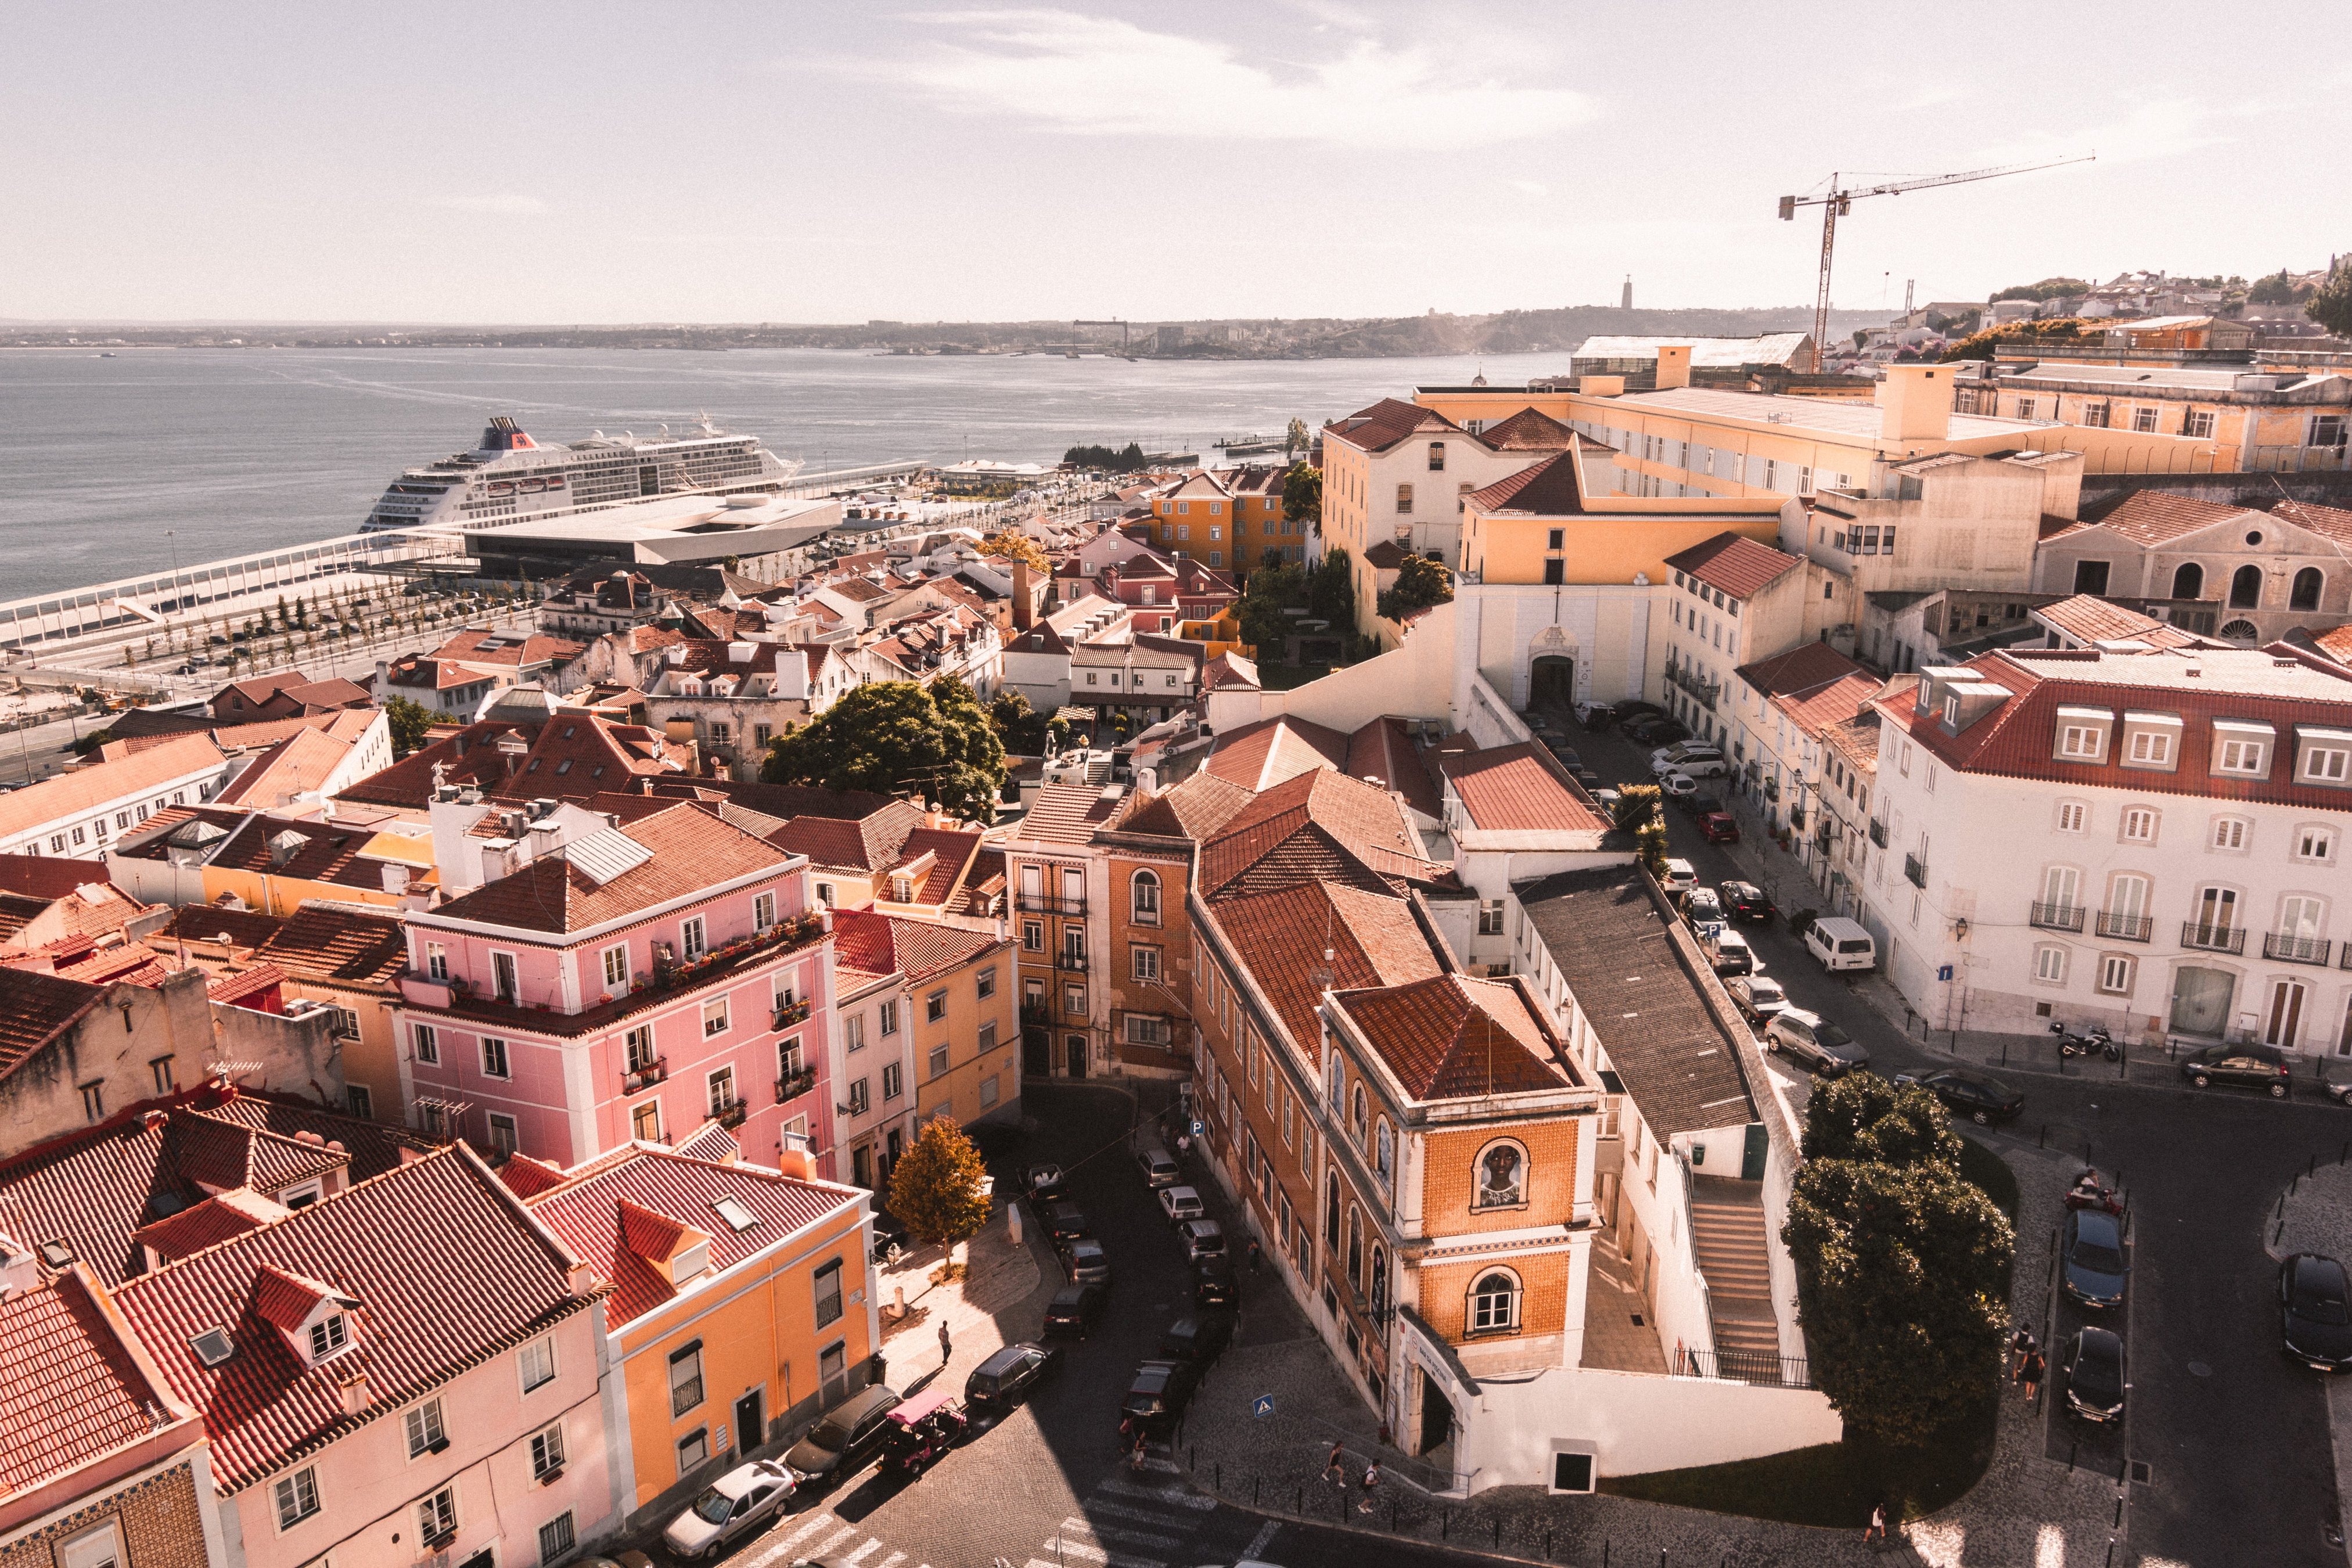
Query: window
[2082, 743]
[1556, 539]
[2139, 826]
[644, 1122]
[505, 978]
[1490, 917]
[329, 1336]
[2090, 576]
[693, 1450]
[426, 1431]
[892, 1081]
[686, 1378]
[1502, 1173]
[2305, 593]
[1495, 1302]
[1404, 500]
[537, 1362]
[2025, 408]
[1337, 1089]
[2050, 964]
[2302, 916]
[2071, 814]
[2144, 421]
[2316, 844]
[2246, 588]
[935, 1006]
[504, 1138]
[347, 1023]
[692, 942]
[428, 1045]
[358, 1102]
[763, 911]
[296, 1496]
[2151, 748]
[555, 1537]
[2115, 975]
[2243, 756]
[720, 1090]
[2095, 415]
[1555, 573]
[2231, 832]
[2322, 764]
[437, 961]
[436, 1516]
[2199, 425]
[857, 1100]
[1384, 1148]
[1032, 936]
[938, 1061]
[1145, 897]
[160, 1069]
[828, 1293]
[824, 895]
[639, 1043]
[888, 1017]
[1145, 961]
[494, 1058]
[1436, 456]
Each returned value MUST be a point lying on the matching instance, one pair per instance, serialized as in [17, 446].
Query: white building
[2151, 840]
[79, 813]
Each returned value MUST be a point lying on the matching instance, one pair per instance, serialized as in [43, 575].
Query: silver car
[1813, 1040]
[1181, 1204]
[1759, 996]
[730, 1508]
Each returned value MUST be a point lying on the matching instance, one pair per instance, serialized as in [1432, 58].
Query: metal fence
[1767, 1369]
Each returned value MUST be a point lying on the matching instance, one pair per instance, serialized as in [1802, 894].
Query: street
[2234, 1436]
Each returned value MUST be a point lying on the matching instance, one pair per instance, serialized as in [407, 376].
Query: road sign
[1944, 971]
[1198, 1129]
[1263, 1406]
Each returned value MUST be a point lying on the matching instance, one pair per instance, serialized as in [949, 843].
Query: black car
[2313, 1319]
[1559, 747]
[1066, 1222]
[1045, 1183]
[1074, 1308]
[2092, 1258]
[1981, 1099]
[1199, 1339]
[2248, 1066]
[1744, 903]
[1087, 1262]
[2095, 1375]
[1158, 1395]
[1699, 804]
[1656, 732]
[847, 1433]
[1213, 1284]
[1588, 778]
[1630, 709]
[998, 1384]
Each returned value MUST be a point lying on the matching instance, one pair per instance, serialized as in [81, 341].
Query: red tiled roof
[215, 1220]
[1733, 562]
[691, 850]
[1836, 703]
[588, 1213]
[286, 1298]
[1452, 1038]
[1553, 488]
[298, 764]
[1529, 430]
[2090, 619]
[80, 791]
[243, 983]
[2328, 522]
[1386, 423]
[1383, 753]
[72, 1388]
[1193, 807]
[710, 1142]
[1520, 788]
[1067, 814]
[1261, 755]
[846, 837]
[480, 645]
[2337, 645]
[46, 877]
[2153, 517]
[1321, 824]
[37, 1008]
[1281, 938]
[451, 1271]
[656, 1237]
[1804, 667]
[884, 944]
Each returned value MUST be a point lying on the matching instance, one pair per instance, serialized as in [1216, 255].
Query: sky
[588, 163]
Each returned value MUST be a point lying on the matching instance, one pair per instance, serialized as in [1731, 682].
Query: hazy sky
[837, 161]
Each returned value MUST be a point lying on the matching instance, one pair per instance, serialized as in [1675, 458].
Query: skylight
[735, 1214]
[212, 1346]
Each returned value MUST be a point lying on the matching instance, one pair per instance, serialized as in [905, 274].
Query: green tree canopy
[2331, 305]
[935, 1187]
[2278, 289]
[1020, 727]
[1011, 544]
[2048, 289]
[410, 722]
[1421, 583]
[1861, 1116]
[1331, 592]
[1981, 345]
[1302, 494]
[1111, 460]
[1270, 591]
[1296, 438]
[896, 737]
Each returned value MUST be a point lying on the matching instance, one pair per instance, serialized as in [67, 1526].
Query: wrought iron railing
[2288, 948]
[1065, 959]
[1915, 871]
[2213, 939]
[789, 1012]
[1049, 904]
[645, 1075]
[731, 1112]
[1879, 832]
[1767, 1369]
[2052, 917]
[2126, 927]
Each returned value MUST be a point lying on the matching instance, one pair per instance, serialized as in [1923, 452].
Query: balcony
[2213, 939]
[2126, 927]
[1047, 904]
[1878, 833]
[789, 1012]
[645, 1075]
[1915, 871]
[2290, 949]
[1065, 959]
[2048, 917]
[730, 1112]
[792, 1085]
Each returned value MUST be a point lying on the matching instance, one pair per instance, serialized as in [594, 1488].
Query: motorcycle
[2090, 1192]
[2094, 1040]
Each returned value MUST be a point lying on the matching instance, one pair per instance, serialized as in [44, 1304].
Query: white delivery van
[1840, 944]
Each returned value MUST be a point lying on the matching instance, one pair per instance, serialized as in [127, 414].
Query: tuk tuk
[922, 1429]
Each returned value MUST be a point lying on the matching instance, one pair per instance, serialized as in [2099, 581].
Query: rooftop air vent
[213, 1347]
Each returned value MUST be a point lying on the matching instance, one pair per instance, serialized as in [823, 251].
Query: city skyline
[1005, 165]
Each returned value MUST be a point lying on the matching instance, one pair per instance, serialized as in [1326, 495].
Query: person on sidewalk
[1254, 1255]
[2020, 1348]
[2030, 1379]
[947, 1345]
[1876, 1534]
[1371, 1480]
[1334, 1472]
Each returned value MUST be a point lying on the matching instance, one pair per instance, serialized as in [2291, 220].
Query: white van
[1840, 944]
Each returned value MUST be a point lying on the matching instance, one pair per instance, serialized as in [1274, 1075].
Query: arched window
[2188, 581]
[1495, 1302]
[1380, 1282]
[1502, 1175]
[1357, 1119]
[1356, 1248]
[1331, 1212]
[2246, 588]
[1145, 897]
[2239, 631]
[1338, 1086]
[2306, 592]
[1384, 1148]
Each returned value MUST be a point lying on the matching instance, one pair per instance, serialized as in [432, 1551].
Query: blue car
[2093, 1251]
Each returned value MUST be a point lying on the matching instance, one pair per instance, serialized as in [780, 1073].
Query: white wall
[1635, 1423]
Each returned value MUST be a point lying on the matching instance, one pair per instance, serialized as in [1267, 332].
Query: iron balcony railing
[645, 1075]
[792, 1085]
[2126, 927]
[2213, 939]
[731, 1112]
[789, 1012]
[1879, 832]
[1065, 959]
[2288, 948]
[1767, 1369]
[1049, 904]
[2052, 917]
[1915, 871]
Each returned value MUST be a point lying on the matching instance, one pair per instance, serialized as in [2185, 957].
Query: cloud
[512, 206]
[1093, 76]
[2158, 128]
[1531, 187]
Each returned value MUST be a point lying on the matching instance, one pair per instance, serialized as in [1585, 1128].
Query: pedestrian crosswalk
[825, 1535]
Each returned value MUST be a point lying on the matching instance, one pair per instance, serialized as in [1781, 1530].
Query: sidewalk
[2316, 1216]
[999, 1300]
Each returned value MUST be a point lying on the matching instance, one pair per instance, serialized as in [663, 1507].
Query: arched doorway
[1551, 682]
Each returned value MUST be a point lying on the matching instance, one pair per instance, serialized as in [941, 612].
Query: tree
[2277, 289]
[410, 722]
[1110, 459]
[1861, 1116]
[1331, 592]
[1302, 494]
[1270, 591]
[935, 1187]
[1057, 735]
[1296, 438]
[1020, 727]
[2331, 304]
[1014, 545]
[896, 737]
[2048, 289]
[1421, 583]
[1981, 345]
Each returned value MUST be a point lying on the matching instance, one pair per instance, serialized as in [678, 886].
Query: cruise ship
[509, 478]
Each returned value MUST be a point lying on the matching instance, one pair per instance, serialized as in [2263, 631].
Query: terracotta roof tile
[2153, 517]
[1321, 824]
[1740, 565]
[1386, 423]
[215, 1220]
[1281, 938]
[1529, 430]
[1520, 788]
[72, 1389]
[885, 944]
[1553, 488]
[1260, 755]
[690, 849]
[80, 791]
[1805, 667]
[35, 1009]
[1067, 814]
[1452, 1038]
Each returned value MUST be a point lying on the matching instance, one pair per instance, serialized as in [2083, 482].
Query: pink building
[630, 985]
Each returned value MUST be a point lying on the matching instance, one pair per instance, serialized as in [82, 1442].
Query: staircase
[1727, 1232]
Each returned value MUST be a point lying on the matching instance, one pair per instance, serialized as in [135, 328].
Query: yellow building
[1544, 525]
[275, 863]
[1226, 518]
[742, 1301]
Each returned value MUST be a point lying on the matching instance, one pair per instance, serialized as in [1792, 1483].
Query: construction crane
[1120, 324]
[1839, 200]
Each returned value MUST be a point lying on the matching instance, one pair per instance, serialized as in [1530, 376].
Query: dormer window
[329, 1337]
[690, 1263]
[2151, 741]
[2241, 749]
[2322, 756]
[2083, 734]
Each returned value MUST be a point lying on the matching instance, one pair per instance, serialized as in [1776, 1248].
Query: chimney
[396, 878]
[1915, 403]
[1674, 365]
[740, 652]
[1601, 386]
[1021, 610]
[356, 1391]
[19, 1271]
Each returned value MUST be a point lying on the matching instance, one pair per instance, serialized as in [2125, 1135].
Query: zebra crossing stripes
[821, 1534]
[1124, 1518]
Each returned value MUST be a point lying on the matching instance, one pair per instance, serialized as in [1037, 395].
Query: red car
[1718, 828]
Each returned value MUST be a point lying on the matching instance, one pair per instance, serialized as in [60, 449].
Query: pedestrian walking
[1252, 1254]
[947, 1346]
[1136, 1460]
[2020, 1348]
[2030, 1377]
[1876, 1533]
[1333, 1470]
[1371, 1480]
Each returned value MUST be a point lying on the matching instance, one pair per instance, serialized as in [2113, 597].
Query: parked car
[1043, 1182]
[1606, 799]
[1085, 1262]
[1001, 1382]
[1758, 997]
[1181, 1204]
[1158, 1166]
[1075, 1310]
[1213, 1284]
[1719, 827]
[845, 1433]
[1813, 1040]
[1634, 708]
[1732, 956]
[2092, 1255]
[1199, 1338]
[1680, 877]
[1674, 786]
[1983, 1100]
[2316, 1312]
[1701, 908]
[1596, 716]
[1066, 1222]
[1157, 1396]
[1589, 779]
[1656, 732]
[1841, 944]
[1559, 747]
[1700, 760]
[889, 1231]
[2245, 1067]
[2095, 1375]
[1698, 805]
[730, 1508]
[1745, 903]
[1201, 1238]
